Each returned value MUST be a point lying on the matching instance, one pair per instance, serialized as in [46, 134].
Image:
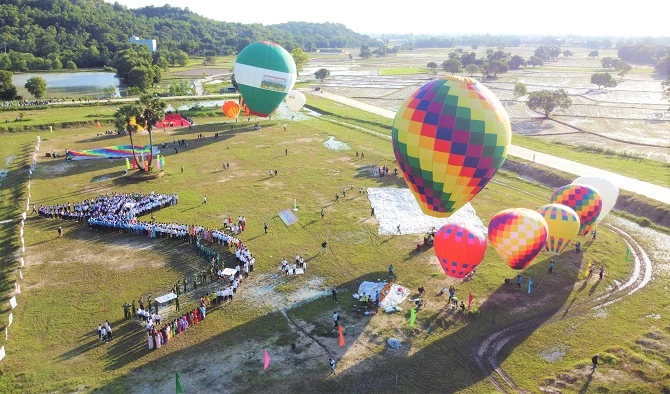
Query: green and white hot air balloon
[265, 73]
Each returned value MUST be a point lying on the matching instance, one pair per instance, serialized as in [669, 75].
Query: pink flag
[266, 360]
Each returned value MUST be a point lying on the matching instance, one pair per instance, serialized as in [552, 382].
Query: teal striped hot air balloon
[265, 73]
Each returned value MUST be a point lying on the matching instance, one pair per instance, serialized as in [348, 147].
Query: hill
[52, 34]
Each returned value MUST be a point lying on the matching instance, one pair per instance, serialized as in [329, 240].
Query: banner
[12, 302]
[17, 287]
[470, 298]
[412, 317]
[2, 352]
[11, 319]
[627, 254]
[127, 164]
[22, 262]
[20, 274]
[266, 360]
[340, 329]
[178, 389]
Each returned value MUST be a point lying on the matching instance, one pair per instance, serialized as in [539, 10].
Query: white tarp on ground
[395, 206]
[395, 295]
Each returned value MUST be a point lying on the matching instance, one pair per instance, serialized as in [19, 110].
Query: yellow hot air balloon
[563, 223]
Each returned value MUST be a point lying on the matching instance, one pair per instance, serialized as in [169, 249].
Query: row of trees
[55, 34]
[37, 86]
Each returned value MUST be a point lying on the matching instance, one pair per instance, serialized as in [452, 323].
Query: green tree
[432, 66]
[567, 53]
[497, 67]
[7, 88]
[322, 74]
[152, 111]
[609, 62]
[141, 77]
[452, 65]
[36, 86]
[70, 65]
[623, 68]
[299, 57]
[5, 62]
[472, 69]
[603, 79]
[179, 58]
[123, 118]
[593, 54]
[520, 89]
[546, 101]
[535, 61]
[365, 52]
[515, 62]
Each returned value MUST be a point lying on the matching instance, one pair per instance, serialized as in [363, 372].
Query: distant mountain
[87, 33]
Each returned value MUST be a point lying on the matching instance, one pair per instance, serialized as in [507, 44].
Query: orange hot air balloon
[231, 109]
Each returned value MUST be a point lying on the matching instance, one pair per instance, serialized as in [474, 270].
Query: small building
[228, 89]
[151, 44]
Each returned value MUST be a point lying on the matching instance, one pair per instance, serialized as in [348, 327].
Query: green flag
[179, 389]
[412, 317]
[627, 255]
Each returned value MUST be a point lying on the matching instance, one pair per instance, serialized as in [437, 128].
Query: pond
[71, 83]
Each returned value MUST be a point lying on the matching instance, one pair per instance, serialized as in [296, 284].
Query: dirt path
[487, 355]
[647, 189]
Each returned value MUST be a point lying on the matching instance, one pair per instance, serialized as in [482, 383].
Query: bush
[644, 222]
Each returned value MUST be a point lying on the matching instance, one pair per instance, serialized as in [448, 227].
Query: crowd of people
[32, 103]
[121, 212]
[298, 267]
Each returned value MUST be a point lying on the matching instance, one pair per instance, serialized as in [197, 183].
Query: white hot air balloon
[295, 100]
[609, 192]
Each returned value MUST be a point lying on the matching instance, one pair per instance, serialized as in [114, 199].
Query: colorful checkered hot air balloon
[460, 248]
[563, 224]
[449, 138]
[265, 73]
[518, 235]
[609, 192]
[585, 200]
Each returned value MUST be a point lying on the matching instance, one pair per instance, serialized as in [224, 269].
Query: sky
[436, 17]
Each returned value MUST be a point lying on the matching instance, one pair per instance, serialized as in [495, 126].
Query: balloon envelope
[460, 248]
[295, 100]
[449, 138]
[265, 72]
[231, 109]
[563, 224]
[585, 200]
[518, 235]
[609, 192]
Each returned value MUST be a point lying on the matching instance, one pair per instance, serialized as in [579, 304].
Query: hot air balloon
[295, 100]
[231, 109]
[265, 72]
[563, 224]
[609, 192]
[460, 248]
[585, 200]
[518, 235]
[449, 138]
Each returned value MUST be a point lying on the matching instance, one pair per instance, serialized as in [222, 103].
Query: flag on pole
[12, 302]
[266, 360]
[588, 269]
[412, 317]
[530, 282]
[341, 331]
[162, 160]
[627, 254]
[178, 389]
[470, 298]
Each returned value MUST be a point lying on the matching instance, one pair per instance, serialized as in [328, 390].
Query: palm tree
[152, 111]
[123, 119]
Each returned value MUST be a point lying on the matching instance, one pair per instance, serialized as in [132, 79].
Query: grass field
[74, 283]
